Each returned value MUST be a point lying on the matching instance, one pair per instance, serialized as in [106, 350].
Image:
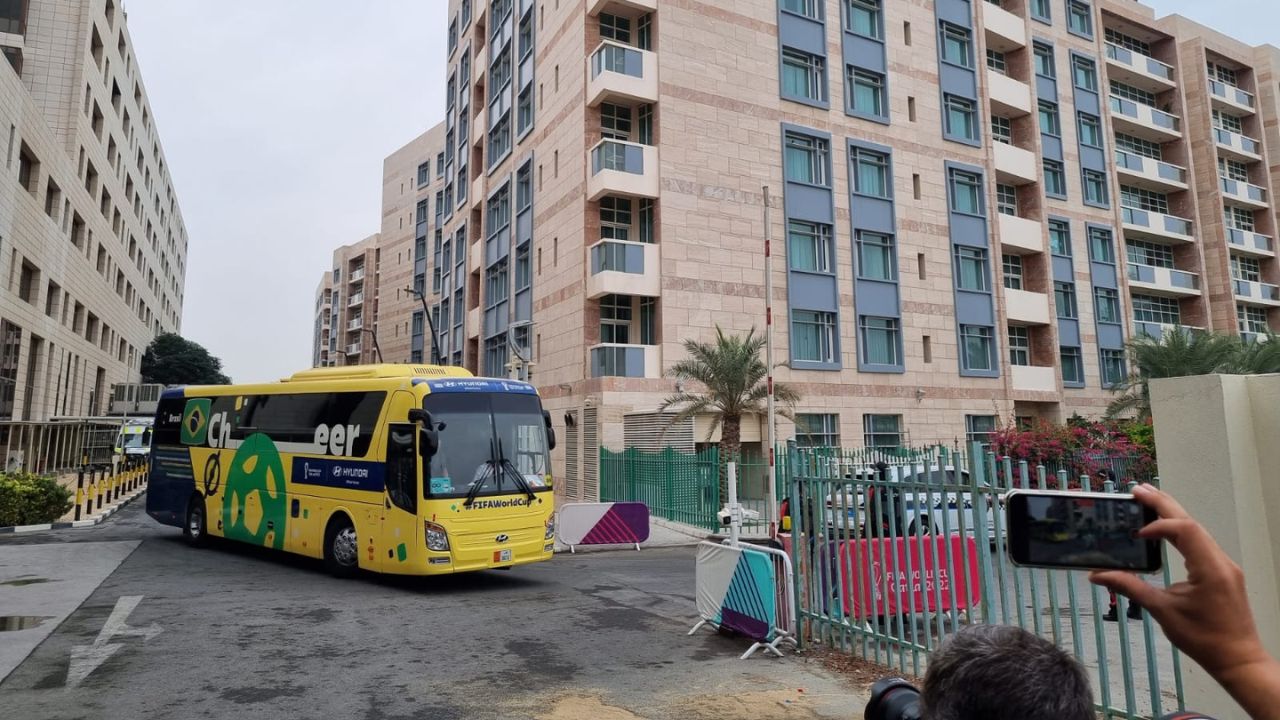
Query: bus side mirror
[428, 436]
[551, 432]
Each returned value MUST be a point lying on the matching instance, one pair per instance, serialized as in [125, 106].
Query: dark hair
[1000, 672]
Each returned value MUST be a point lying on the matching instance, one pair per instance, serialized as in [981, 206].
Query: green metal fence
[845, 572]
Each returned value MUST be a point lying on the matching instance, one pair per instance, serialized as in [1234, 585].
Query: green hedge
[27, 499]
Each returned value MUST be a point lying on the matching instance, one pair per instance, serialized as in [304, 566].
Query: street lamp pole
[374, 334]
[431, 326]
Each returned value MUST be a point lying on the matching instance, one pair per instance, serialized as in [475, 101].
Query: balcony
[356, 275]
[1150, 173]
[355, 299]
[1034, 378]
[1247, 242]
[1162, 281]
[1018, 233]
[353, 349]
[1158, 226]
[1138, 70]
[473, 323]
[1241, 147]
[481, 125]
[617, 72]
[595, 7]
[1257, 293]
[1229, 98]
[1144, 121]
[1005, 31]
[1159, 330]
[624, 268]
[1009, 97]
[633, 361]
[477, 192]
[356, 324]
[623, 168]
[1243, 193]
[475, 255]
[1025, 307]
[1014, 165]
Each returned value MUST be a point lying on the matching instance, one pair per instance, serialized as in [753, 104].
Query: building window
[1246, 269]
[807, 8]
[1143, 199]
[1049, 122]
[1251, 319]
[424, 173]
[615, 27]
[1090, 130]
[809, 246]
[500, 140]
[866, 92]
[1101, 248]
[1055, 181]
[882, 431]
[1080, 18]
[615, 218]
[862, 17]
[879, 340]
[495, 286]
[1138, 146]
[524, 110]
[1127, 42]
[870, 173]
[806, 159]
[1238, 218]
[818, 430]
[804, 76]
[976, 348]
[1001, 130]
[1149, 253]
[1095, 188]
[956, 45]
[814, 336]
[1012, 265]
[615, 319]
[966, 192]
[524, 268]
[996, 61]
[1159, 310]
[1233, 170]
[1006, 199]
[1135, 94]
[1072, 365]
[961, 117]
[1084, 72]
[1064, 297]
[1040, 10]
[979, 428]
[1044, 60]
[1019, 345]
[1223, 121]
[876, 256]
[971, 268]
[1106, 304]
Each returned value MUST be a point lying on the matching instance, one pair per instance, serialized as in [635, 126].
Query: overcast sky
[275, 116]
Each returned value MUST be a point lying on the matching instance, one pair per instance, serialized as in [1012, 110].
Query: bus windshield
[486, 438]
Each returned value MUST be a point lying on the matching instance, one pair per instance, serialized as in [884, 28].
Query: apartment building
[347, 306]
[93, 249]
[975, 205]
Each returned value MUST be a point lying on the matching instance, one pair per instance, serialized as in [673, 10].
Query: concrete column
[1218, 443]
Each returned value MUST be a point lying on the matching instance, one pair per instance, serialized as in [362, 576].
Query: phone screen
[1080, 531]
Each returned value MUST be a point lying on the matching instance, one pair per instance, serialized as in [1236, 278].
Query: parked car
[918, 509]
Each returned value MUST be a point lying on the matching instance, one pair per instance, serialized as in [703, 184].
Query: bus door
[400, 500]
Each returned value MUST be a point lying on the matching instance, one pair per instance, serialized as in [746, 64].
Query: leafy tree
[733, 380]
[173, 360]
[1179, 354]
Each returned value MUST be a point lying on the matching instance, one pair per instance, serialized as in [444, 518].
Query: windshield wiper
[478, 483]
[509, 467]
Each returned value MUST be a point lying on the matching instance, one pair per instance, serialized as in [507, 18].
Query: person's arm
[1207, 616]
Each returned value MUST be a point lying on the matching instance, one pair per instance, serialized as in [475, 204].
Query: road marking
[86, 658]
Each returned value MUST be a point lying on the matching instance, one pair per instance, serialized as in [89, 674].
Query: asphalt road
[235, 631]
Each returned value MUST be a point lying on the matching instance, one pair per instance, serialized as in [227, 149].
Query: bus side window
[402, 466]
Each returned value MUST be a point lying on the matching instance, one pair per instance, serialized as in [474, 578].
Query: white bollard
[735, 512]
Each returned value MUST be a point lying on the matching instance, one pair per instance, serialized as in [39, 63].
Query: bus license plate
[502, 555]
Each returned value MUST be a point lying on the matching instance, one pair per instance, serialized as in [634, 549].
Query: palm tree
[1259, 357]
[1175, 354]
[732, 377]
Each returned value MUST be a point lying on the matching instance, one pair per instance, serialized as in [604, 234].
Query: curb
[65, 525]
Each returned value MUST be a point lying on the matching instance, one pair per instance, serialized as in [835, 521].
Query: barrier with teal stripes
[737, 589]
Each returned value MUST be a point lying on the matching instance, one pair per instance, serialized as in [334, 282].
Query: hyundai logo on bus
[336, 439]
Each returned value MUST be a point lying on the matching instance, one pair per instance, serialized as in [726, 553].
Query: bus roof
[378, 372]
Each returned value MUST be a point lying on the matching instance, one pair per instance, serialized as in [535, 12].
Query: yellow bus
[407, 469]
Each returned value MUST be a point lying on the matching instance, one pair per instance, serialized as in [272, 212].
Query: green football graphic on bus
[254, 503]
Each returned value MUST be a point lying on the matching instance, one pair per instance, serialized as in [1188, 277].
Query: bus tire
[195, 530]
[341, 549]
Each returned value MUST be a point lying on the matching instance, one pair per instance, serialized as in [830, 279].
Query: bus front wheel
[341, 550]
[195, 530]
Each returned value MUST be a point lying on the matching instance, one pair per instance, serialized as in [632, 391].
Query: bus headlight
[551, 528]
[437, 538]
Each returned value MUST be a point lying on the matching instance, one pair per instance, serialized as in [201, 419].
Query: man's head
[998, 672]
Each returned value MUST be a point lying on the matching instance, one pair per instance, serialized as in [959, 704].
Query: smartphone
[1079, 531]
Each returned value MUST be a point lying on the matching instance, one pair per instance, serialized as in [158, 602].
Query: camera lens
[893, 699]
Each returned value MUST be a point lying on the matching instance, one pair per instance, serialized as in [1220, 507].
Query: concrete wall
[1216, 440]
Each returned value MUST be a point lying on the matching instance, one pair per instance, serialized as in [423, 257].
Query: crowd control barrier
[619, 523]
[741, 589]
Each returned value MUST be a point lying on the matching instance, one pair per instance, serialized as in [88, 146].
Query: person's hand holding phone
[1207, 616]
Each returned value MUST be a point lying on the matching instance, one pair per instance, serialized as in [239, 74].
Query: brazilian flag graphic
[195, 421]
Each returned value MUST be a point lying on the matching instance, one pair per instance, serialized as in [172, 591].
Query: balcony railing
[1249, 240]
[1253, 290]
[1167, 279]
[356, 275]
[1230, 93]
[1142, 63]
[623, 168]
[616, 360]
[617, 58]
[1243, 191]
[1158, 223]
[617, 155]
[622, 71]
[1237, 142]
[615, 256]
[1158, 330]
[1156, 170]
[355, 324]
[353, 349]
[355, 300]
[1146, 114]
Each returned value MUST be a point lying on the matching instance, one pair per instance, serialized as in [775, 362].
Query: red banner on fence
[889, 576]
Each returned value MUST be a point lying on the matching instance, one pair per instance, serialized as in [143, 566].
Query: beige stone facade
[93, 249]
[348, 298]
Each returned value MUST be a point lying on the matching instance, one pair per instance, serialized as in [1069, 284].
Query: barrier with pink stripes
[616, 523]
